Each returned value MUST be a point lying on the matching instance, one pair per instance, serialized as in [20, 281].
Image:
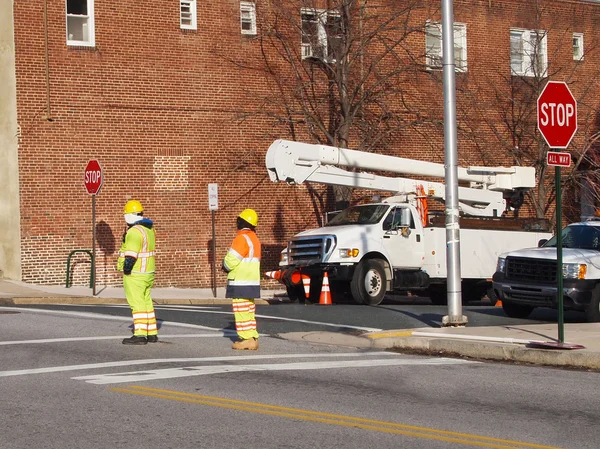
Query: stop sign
[557, 114]
[93, 177]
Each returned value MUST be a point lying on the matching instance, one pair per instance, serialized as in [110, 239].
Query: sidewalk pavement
[528, 344]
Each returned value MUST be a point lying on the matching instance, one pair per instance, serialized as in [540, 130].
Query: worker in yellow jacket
[136, 261]
[242, 265]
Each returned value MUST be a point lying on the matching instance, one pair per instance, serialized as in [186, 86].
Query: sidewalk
[503, 343]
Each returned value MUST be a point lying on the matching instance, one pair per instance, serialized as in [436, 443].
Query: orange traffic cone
[277, 275]
[499, 303]
[325, 299]
[306, 284]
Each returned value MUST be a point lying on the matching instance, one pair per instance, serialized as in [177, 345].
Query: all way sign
[558, 159]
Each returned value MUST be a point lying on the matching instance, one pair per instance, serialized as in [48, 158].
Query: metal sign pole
[93, 245]
[214, 257]
[559, 264]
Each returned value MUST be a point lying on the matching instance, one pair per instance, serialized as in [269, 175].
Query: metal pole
[214, 257]
[559, 264]
[455, 316]
[93, 245]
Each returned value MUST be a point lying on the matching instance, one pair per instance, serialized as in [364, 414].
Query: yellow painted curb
[390, 334]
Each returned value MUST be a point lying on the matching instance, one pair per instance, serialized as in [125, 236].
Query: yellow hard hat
[250, 216]
[133, 207]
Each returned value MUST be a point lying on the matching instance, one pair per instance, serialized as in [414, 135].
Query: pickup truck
[526, 279]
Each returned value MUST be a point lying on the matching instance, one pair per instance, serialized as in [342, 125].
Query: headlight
[348, 252]
[574, 270]
[501, 264]
[283, 257]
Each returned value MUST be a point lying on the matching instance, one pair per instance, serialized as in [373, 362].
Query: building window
[80, 23]
[248, 17]
[528, 53]
[577, 46]
[187, 15]
[434, 49]
[321, 34]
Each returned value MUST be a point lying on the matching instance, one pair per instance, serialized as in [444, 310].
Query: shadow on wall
[107, 245]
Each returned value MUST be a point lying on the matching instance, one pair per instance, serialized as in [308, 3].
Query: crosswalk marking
[188, 371]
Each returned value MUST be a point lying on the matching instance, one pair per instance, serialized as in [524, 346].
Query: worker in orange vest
[242, 265]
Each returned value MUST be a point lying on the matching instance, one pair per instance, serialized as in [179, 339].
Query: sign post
[213, 205]
[93, 180]
[557, 122]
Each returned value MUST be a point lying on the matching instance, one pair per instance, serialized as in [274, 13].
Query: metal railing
[68, 283]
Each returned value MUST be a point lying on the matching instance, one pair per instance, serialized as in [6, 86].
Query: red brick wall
[157, 106]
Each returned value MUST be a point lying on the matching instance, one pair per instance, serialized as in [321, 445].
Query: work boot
[152, 339]
[135, 340]
[251, 344]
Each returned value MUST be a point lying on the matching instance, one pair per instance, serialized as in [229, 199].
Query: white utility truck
[397, 244]
[526, 278]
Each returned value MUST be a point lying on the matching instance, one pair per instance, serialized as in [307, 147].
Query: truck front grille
[310, 250]
[525, 269]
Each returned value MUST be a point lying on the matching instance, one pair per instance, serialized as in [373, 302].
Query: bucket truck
[399, 244]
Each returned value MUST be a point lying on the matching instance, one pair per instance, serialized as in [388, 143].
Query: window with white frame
[528, 53]
[578, 46]
[321, 34]
[187, 15]
[80, 23]
[248, 18]
[434, 49]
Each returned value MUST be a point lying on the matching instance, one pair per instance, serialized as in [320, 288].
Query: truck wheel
[492, 296]
[516, 310]
[592, 311]
[368, 284]
[296, 293]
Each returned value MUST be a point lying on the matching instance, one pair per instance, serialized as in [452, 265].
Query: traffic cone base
[325, 298]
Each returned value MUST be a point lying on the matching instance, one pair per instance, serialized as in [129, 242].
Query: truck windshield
[363, 215]
[578, 236]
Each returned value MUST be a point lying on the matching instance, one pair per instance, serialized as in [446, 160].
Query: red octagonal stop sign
[93, 177]
[557, 114]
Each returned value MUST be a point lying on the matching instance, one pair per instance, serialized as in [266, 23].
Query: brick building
[176, 94]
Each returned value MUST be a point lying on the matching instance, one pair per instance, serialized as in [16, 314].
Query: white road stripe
[171, 373]
[220, 312]
[57, 369]
[114, 337]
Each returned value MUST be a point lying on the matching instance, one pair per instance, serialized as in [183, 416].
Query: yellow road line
[329, 418]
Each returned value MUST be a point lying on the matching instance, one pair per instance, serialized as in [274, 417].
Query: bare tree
[339, 72]
[498, 114]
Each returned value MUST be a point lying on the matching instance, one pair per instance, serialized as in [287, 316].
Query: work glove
[128, 265]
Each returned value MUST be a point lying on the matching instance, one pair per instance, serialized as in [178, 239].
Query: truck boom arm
[296, 163]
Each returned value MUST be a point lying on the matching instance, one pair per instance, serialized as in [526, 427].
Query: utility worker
[136, 261]
[242, 265]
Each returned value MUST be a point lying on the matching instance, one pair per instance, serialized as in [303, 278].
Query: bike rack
[69, 265]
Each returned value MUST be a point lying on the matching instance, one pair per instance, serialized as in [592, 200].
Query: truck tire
[368, 285]
[592, 310]
[296, 293]
[516, 310]
[491, 294]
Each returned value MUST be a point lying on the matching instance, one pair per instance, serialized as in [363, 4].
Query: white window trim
[193, 15]
[307, 51]
[91, 42]
[528, 52]
[580, 56]
[460, 44]
[248, 7]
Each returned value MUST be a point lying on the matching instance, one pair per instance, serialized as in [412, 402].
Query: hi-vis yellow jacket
[139, 243]
[242, 264]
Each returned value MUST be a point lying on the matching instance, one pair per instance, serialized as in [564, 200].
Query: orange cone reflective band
[306, 283]
[277, 275]
[325, 298]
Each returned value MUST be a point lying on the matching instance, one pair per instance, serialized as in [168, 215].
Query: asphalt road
[281, 317]
[66, 381]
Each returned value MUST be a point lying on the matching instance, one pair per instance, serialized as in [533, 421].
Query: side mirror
[542, 242]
